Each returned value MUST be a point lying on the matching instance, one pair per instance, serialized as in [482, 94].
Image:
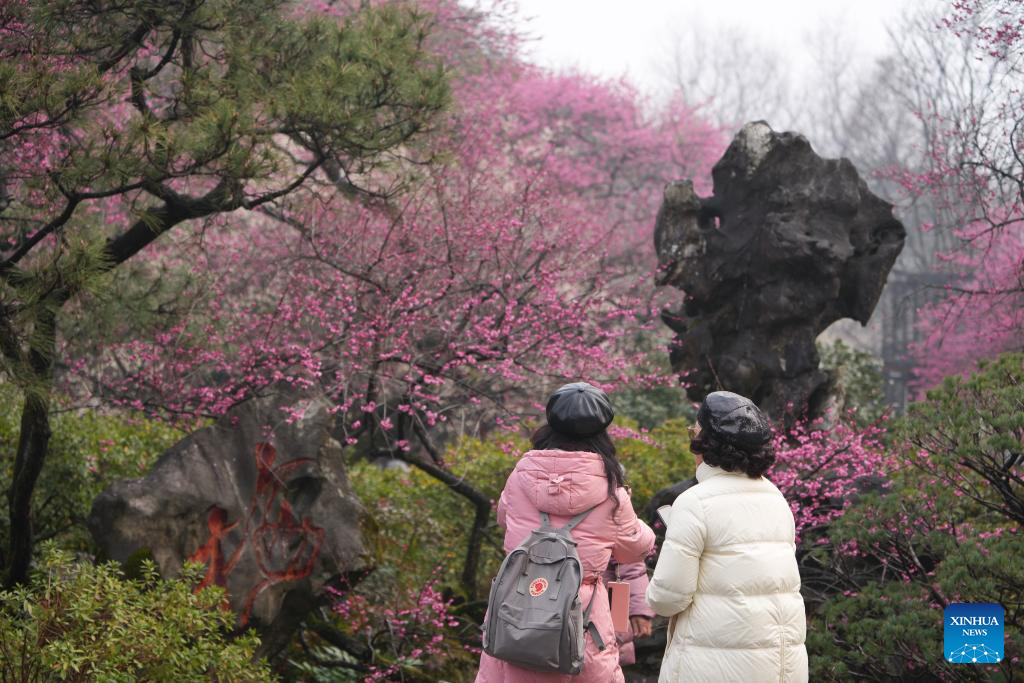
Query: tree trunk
[32, 446]
[482, 505]
[471, 566]
[33, 443]
[34, 439]
[35, 418]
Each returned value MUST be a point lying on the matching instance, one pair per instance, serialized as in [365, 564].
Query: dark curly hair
[720, 453]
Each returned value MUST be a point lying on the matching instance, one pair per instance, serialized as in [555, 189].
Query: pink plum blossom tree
[416, 279]
[521, 260]
[120, 122]
[976, 177]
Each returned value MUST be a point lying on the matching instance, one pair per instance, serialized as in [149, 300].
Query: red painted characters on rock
[284, 547]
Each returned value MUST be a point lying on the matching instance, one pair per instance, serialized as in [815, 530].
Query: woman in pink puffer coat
[571, 469]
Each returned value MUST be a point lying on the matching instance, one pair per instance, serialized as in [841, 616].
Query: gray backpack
[534, 616]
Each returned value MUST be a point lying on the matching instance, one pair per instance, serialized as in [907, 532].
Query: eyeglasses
[694, 431]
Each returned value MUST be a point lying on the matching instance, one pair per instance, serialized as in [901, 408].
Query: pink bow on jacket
[557, 484]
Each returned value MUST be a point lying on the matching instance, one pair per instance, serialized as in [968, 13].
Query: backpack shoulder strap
[590, 626]
[575, 520]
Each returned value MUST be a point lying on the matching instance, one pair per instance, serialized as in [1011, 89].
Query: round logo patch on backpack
[538, 586]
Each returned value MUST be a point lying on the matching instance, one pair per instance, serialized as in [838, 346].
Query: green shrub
[858, 384]
[416, 532]
[418, 525]
[80, 622]
[88, 451]
[328, 664]
[947, 530]
[656, 459]
[653, 406]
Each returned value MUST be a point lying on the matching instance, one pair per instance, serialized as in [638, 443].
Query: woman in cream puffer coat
[727, 576]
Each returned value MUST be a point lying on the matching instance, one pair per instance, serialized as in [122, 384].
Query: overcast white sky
[614, 38]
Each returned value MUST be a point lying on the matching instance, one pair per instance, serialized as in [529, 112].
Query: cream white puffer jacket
[727, 577]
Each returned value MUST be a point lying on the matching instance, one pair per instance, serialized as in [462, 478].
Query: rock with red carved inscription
[260, 498]
[788, 243]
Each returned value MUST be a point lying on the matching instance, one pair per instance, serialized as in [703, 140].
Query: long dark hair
[547, 439]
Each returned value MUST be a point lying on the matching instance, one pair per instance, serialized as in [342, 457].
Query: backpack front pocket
[531, 636]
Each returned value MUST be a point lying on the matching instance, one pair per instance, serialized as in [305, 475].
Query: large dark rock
[264, 504]
[788, 244]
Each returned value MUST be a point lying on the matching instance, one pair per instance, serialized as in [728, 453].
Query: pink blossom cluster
[981, 312]
[978, 312]
[820, 469]
[997, 24]
[972, 177]
[642, 435]
[899, 540]
[521, 259]
[413, 627]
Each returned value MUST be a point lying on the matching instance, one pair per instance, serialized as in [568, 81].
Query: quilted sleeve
[634, 540]
[675, 577]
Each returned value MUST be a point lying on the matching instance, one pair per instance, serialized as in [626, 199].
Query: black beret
[579, 409]
[734, 419]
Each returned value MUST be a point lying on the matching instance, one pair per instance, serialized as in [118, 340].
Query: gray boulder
[263, 503]
[787, 244]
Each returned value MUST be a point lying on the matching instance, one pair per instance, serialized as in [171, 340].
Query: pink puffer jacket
[564, 484]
